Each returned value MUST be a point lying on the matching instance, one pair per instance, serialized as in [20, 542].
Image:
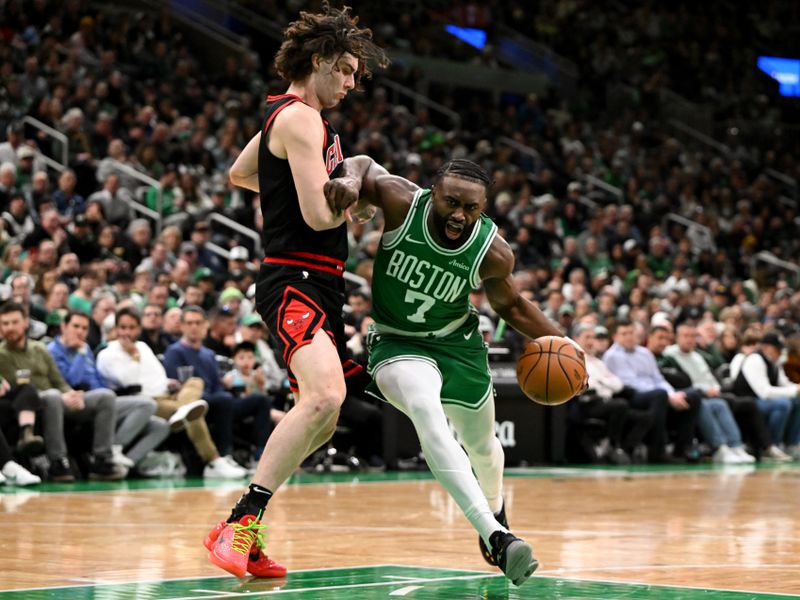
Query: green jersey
[420, 288]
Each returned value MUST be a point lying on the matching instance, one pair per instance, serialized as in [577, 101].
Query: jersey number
[427, 303]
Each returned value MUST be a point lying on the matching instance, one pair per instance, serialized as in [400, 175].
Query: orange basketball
[550, 371]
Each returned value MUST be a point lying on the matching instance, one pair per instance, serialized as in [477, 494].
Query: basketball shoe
[258, 563]
[513, 555]
[501, 518]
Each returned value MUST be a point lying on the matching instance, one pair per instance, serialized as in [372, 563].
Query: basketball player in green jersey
[426, 355]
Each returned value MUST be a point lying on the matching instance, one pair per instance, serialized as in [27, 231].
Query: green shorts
[460, 357]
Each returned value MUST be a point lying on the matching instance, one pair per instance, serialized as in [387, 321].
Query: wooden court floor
[600, 533]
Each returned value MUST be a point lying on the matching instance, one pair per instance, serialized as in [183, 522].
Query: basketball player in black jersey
[300, 290]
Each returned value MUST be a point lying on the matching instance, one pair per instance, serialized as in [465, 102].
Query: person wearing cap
[756, 372]
[188, 252]
[222, 326]
[602, 340]
[232, 298]
[204, 279]
[566, 314]
[81, 239]
[25, 166]
[238, 257]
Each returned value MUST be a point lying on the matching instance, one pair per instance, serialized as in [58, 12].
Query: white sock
[414, 387]
[475, 429]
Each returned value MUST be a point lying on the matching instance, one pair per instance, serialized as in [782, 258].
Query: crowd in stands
[135, 328]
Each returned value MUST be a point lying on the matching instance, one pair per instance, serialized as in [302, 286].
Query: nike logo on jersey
[413, 241]
[468, 335]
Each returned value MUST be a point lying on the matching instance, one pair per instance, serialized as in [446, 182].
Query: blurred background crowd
[646, 179]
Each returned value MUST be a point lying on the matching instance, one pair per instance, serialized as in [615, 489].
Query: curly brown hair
[330, 33]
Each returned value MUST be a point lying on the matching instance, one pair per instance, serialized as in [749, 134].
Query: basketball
[550, 371]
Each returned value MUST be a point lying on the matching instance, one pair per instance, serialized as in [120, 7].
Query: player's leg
[312, 420]
[475, 429]
[321, 390]
[413, 387]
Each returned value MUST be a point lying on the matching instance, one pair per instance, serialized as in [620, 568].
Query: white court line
[650, 584]
[562, 574]
[349, 586]
[218, 593]
[144, 581]
[405, 590]
[793, 567]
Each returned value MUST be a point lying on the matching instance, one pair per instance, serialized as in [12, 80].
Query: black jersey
[287, 237]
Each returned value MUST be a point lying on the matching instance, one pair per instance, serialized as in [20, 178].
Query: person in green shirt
[81, 299]
[426, 355]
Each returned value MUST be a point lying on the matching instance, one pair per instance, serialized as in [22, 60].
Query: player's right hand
[341, 193]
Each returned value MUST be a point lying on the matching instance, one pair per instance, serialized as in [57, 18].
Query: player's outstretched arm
[365, 181]
[519, 312]
[244, 172]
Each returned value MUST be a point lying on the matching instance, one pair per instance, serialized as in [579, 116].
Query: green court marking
[388, 476]
[381, 581]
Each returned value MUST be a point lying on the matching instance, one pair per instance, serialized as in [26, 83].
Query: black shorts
[295, 304]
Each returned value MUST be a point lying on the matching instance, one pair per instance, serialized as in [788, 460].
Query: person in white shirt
[626, 427]
[755, 372]
[127, 362]
[715, 420]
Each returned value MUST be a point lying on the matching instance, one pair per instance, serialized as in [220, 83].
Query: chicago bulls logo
[333, 155]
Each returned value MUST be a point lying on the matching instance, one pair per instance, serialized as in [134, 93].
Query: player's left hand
[341, 193]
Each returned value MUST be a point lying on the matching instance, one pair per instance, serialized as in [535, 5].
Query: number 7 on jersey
[427, 303]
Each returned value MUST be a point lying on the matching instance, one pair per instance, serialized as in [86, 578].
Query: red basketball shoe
[258, 563]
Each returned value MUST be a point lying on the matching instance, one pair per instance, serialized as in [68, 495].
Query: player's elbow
[321, 224]
[318, 226]
[235, 175]
[316, 216]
